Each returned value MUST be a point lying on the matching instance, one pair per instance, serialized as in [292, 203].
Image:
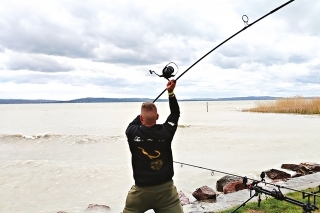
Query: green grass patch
[272, 205]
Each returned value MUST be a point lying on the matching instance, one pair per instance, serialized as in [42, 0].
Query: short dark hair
[148, 106]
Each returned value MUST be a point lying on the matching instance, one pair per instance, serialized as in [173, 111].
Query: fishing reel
[168, 71]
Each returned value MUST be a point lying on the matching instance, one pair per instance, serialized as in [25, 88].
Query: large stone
[183, 198]
[204, 193]
[97, 207]
[297, 174]
[314, 167]
[302, 168]
[293, 167]
[233, 187]
[225, 180]
[277, 174]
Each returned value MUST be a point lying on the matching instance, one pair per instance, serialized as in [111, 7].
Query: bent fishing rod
[169, 70]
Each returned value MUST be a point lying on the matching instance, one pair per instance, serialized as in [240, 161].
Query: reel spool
[168, 71]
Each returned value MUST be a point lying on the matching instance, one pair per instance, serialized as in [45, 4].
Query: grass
[272, 205]
[297, 104]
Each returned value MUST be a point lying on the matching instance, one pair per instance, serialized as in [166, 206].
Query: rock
[233, 187]
[204, 193]
[293, 167]
[297, 174]
[314, 167]
[277, 174]
[183, 198]
[302, 168]
[97, 207]
[224, 180]
[61, 212]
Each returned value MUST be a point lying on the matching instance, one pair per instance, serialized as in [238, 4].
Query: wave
[183, 126]
[57, 138]
[23, 136]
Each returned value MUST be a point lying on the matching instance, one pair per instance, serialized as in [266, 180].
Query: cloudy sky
[68, 49]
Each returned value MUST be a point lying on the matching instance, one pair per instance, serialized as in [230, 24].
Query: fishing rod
[246, 178]
[276, 193]
[168, 70]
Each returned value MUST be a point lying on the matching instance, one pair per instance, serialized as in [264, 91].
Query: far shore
[107, 100]
[263, 104]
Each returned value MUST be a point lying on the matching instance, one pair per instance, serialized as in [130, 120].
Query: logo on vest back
[137, 139]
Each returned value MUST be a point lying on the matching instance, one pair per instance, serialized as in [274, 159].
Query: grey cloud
[128, 27]
[41, 36]
[315, 67]
[103, 81]
[234, 55]
[45, 78]
[271, 59]
[226, 62]
[300, 17]
[36, 63]
[28, 29]
[303, 17]
[312, 77]
[32, 78]
[145, 56]
[296, 58]
[255, 10]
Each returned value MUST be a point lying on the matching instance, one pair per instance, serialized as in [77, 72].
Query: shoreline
[121, 100]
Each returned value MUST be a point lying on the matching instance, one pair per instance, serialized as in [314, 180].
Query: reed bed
[297, 105]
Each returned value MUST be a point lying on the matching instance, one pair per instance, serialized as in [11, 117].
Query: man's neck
[149, 125]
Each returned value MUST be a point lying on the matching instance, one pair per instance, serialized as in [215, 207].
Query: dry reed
[297, 104]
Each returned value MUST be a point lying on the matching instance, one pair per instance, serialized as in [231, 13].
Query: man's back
[152, 161]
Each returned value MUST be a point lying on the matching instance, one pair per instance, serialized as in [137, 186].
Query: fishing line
[245, 19]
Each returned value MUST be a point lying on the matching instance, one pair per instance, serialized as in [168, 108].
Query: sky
[69, 49]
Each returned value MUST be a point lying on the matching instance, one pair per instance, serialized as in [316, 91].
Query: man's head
[149, 115]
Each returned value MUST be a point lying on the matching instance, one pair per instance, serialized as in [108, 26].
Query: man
[152, 161]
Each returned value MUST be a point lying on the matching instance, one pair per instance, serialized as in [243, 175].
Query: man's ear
[157, 116]
[141, 118]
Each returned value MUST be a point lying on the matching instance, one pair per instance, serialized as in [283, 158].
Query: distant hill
[105, 100]
[248, 98]
[25, 101]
